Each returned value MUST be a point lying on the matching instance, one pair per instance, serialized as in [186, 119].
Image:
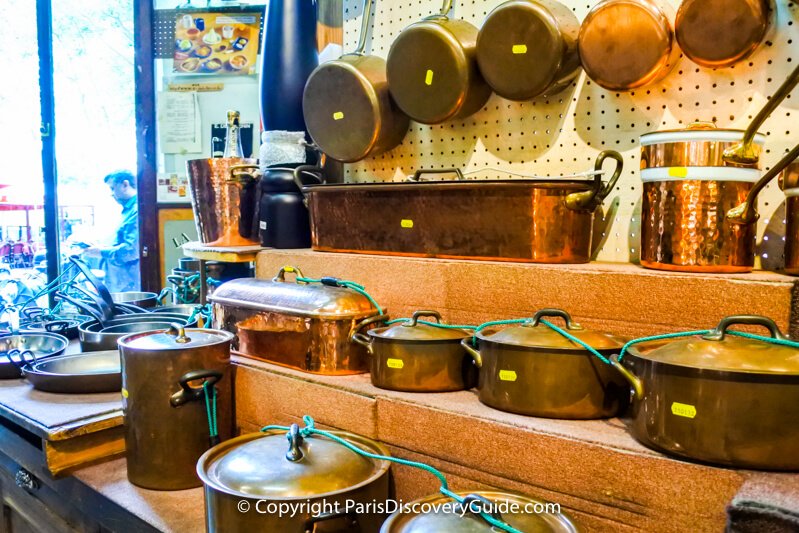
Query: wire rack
[563, 134]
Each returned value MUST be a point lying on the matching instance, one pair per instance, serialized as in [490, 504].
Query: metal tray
[77, 374]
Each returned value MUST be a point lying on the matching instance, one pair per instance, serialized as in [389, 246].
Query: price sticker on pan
[507, 375]
[428, 77]
[683, 409]
[338, 115]
[394, 363]
[519, 49]
[406, 223]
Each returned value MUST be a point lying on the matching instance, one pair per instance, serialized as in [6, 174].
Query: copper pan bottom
[694, 268]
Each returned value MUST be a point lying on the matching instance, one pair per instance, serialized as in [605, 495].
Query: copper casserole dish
[295, 324]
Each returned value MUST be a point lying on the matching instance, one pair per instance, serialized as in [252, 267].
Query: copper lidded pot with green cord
[721, 397]
[415, 356]
[531, 369]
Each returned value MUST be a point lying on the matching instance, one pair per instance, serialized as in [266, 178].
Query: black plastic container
[284, 219]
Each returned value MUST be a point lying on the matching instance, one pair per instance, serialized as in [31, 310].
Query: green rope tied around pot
[335, 282]
[210, 408]
[550, 325]
[429, 323]
[770, 340]
[203, 311]
[310, 429]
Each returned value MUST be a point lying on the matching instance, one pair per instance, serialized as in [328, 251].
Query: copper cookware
[225, 209]
[296, 324]
[718, 398]
[439, 513]
[534, 220]
[248, 477]
[416, 356]
[720, 33]
[347, 106]
[625, 44]
[527, 48]
[533, 370]
[432, 69]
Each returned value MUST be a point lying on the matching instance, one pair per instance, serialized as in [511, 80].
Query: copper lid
[521, 48]
[533, 334]
[626, 44]
[259, 464]
[278, 295]
[719, 33]
[723, 351]
[412, 330]
[175, 338]
[446, 514]
[429, 70]
[339, 105]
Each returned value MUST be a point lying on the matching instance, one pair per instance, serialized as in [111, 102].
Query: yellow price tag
[428, 78]
[507, 375]
[338, 115]
[678, 172]
[683, 409]
[406, 223]
[519, 49]
[124, 393]
[394, 363]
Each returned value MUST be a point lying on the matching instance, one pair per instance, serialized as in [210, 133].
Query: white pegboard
[563, 134]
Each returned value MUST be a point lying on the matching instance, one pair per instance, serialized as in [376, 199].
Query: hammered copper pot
[791, 186]
[225, 208]
[718, 398]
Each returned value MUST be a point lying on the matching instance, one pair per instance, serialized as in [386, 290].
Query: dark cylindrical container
[284, 219]
[288, 56]
[166, 423]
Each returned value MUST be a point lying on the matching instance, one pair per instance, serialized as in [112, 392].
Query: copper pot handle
[288, 269]
[747, 320]
[418, 314]
[307, 170]
[361, 338]
[351, 517]
[746, 213]
[418, 174]
[236, 177]
[474, 352]
[742, 153]
[591, 199]
[636, 385]
[187, 393]
[560, 313]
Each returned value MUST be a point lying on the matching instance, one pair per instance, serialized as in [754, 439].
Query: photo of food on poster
[216, 43]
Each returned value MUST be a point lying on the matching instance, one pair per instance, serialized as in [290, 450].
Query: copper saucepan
[347, 106]
[432, 69]
[527, 48]
[625, 44]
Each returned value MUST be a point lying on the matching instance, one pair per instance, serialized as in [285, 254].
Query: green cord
[310, 429]
[210, 408]
[357, 287]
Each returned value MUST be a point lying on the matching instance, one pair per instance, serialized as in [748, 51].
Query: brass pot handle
[179, 332]
[474, 352]
[746, 320]
[361, 338]
[418, 174]
[746, 213]
[350, 517]
[288, 269]
[418, 314]
[560, 313]
[742, 153]
[637, 386]
[591, 199]
[187, 393]
[236, 177]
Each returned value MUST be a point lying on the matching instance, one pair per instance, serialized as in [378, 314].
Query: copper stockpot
[348, 110]
[166, 422]
[225, 210]
[720, 33]
[719, 398]
[295, 324]
[533, 220]
[432, 69]
[527, 48]
[418, 357]
[625, 44]
[321, 477]
[534, 370]
[463, 518]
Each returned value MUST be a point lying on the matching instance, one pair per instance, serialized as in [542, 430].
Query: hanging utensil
[348, 110]
[432, 69]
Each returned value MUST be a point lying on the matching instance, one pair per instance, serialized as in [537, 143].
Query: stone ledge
[621, 298]
[595, 469]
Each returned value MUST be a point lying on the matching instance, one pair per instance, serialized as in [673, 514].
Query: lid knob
[295, 440]
[179, 332]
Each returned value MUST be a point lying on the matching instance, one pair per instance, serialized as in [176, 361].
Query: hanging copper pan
[432, 69]
[348, 110]
[625, 44]
[527, 48]
[720, 33]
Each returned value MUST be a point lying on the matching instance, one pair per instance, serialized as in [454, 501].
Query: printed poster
[216, 43]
